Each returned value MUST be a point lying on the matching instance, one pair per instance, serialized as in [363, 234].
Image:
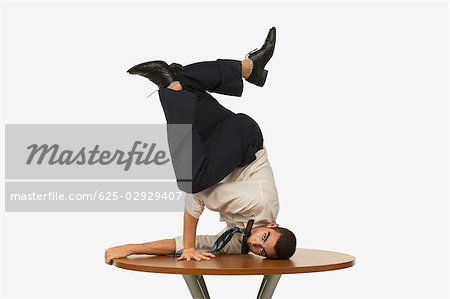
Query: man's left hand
[194, 254]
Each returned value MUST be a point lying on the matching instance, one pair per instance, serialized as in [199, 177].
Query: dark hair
[286, 244]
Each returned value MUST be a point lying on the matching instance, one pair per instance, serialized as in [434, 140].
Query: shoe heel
[263, 78]
[176, 66]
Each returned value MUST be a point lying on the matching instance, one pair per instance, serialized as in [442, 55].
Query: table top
[303, 261]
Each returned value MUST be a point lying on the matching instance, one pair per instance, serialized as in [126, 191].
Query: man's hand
[117, 252]
[194, 254]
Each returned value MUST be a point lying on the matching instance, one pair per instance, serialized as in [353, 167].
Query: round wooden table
[303, 261]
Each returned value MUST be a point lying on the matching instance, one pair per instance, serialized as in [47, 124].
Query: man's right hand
[194, 254]
[117, 252]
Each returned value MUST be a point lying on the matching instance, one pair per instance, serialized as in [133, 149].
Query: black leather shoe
[159, 72]
[177, 70]
[260, 58]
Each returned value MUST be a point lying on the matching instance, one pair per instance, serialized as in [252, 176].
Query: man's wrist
[135, 248]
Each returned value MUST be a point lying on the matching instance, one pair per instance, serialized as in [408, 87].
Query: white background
[354, 115]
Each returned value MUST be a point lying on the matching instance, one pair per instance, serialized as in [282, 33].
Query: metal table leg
[197, 286]
[268, 285]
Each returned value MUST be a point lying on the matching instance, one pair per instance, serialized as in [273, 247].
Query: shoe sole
[135, 70]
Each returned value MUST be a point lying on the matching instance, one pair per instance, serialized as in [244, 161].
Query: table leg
[268, 285]
[197, 286]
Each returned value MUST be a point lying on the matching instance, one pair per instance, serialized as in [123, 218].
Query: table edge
[236, 271]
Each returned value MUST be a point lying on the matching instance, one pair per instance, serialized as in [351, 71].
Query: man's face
[263, 239]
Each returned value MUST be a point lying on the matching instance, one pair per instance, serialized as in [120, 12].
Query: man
[230, 170]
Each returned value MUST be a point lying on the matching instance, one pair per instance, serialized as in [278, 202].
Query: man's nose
[255, 241]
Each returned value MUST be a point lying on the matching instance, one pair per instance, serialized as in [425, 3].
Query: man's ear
[272, 225]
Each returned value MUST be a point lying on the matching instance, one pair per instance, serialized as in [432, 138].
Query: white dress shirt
[248, 192]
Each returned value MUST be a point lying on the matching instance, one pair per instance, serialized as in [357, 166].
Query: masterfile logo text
[77, 167]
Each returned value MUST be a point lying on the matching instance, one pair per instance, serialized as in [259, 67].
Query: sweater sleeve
[205, 242]
[194, 205]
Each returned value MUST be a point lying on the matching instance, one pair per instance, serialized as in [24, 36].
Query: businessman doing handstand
[231, 173]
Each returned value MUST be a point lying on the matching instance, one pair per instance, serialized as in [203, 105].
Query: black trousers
[221, 139]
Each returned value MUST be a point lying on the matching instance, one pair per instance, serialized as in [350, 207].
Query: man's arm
[161, 247]
[189, 230]
[189, 237]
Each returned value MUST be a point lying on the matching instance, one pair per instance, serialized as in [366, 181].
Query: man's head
[272, 241]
